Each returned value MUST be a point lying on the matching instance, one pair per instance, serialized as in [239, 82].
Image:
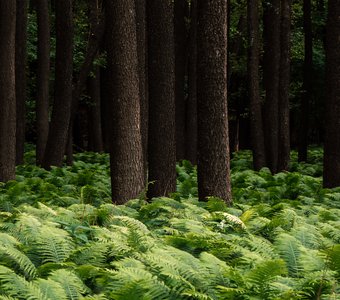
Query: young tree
[284, 129]
[191, 107]
[161, 68]
[20, 76]
[58, 131]
[7, 90]
[331, 176]
[271, 67]
[307, 81]
[256, 122]
[212, 112]
[126, 162]
[180, 70]
[43, 77]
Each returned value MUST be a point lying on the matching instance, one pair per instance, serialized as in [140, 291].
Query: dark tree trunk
[284, 130]
[271, 68]
[20, 77]
[96, 35]
[331, 176]
[161, 67]
[126, 161]
[95, 130]
[256, 123]
[7, 90]
[191, 108]
[143, 78]
[43, 77]
[213, 141]
[307, 82]
[58, 133]
[180, 67]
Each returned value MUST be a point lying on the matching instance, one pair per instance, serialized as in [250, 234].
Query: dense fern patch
[61, 238]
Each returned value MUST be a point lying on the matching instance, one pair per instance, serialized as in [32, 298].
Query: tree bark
[284, 130]
[180, 68]
[7, 90]
[20, 77]
[60, 120]
[271, 68]
[256, 121]
[126, 163]
[143, 78]
[213, 141]
[161, 67]
[307, 82]
[331, 176]
[43, 78]
[191, 108]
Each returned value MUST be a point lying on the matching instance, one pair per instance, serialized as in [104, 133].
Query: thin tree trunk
[307, 82]
[43, 74]
[7, 90]
[256, 123]
[271, 68]
[213, 141]
[126, 155]
[20, 76]
[284, 130]
[161, 66]
[191, 110]
[180, 67]
[58, 133]
[143, 78]
[331, 176]
[95, 131]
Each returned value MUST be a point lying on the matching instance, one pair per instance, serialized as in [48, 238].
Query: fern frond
[70, 282]
[20, 259]
[52, 290]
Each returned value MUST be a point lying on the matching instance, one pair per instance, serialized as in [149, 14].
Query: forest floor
[62, 238]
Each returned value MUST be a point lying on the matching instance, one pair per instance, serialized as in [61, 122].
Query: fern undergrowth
[61, 238]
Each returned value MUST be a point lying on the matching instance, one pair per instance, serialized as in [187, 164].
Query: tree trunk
[256, 123]
[7, 90]
[58, 133]
[161, 67]
[143, 78]
[126, 162]
[213, 141]
[20, 77]
[271, 68]
[284, 130]
[180, 67]
[331, 176]
[307, 82]
[191, 109]
[95, 130]
[43, 77]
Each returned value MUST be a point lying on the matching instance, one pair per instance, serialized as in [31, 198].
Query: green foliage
[61, 238]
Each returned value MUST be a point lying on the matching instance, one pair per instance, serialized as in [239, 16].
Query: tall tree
[271, 67]
[20, 76]
[127, 174]
[143, 77]
[213, 141]
[307, 81]
[7, 90]
[161, 68]
[180, 70]
[257, 135]
[284, 131]
[58, 133]
[191, 107]
[331, 176]
[43, 75]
